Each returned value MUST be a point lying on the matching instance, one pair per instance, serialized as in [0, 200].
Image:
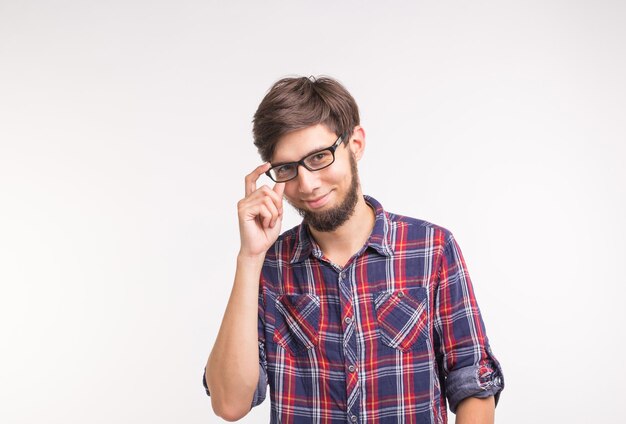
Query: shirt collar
[379, 239]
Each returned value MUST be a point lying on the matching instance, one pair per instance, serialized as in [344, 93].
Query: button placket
[348, 311]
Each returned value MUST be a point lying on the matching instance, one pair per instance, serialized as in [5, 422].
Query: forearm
[476, 411]
[233, 367]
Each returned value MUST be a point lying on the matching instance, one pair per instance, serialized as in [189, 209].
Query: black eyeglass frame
[332, 150]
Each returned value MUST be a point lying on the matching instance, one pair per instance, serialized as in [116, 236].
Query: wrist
[245, 258]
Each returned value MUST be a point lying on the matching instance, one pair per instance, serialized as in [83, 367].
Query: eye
[284, 170]
[318, 158]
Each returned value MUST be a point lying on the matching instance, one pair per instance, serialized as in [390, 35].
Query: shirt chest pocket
[297, 322]
[402, 317]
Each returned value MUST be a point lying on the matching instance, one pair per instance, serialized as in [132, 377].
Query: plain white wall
[125, 135]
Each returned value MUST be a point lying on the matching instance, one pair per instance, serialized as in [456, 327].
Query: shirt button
[353, 418]
[498, 381]
[348, 320]
[400, 294]
[351, 368]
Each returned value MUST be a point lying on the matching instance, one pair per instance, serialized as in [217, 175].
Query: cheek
[291, 191]
[340, 176]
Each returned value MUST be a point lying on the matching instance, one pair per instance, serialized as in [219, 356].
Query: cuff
[261, 387]
[480, 381]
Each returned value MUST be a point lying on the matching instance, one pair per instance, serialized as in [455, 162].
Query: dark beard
[334, 218]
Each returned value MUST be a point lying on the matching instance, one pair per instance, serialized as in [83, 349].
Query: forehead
[295, 145]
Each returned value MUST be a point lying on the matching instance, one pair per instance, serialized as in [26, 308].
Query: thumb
[279, 189]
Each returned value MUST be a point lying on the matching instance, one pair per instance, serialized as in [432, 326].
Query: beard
[330, 220]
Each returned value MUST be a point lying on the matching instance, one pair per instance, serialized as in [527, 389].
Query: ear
[357, 142]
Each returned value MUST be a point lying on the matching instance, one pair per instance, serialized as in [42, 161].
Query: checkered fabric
[388, 338]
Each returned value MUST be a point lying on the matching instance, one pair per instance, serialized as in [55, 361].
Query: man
[357, 315]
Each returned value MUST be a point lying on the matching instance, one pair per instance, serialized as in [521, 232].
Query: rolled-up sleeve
[469, 366]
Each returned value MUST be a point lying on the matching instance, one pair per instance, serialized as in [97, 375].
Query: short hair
[300, 102]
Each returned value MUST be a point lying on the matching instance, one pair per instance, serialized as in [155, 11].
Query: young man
[357, 315]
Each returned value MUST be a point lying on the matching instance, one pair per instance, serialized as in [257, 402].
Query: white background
[125, 134]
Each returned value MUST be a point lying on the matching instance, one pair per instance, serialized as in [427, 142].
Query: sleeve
[469, 366]
[261, 388]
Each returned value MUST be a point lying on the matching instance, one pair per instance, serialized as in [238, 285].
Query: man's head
[298, 118]
[297, 103]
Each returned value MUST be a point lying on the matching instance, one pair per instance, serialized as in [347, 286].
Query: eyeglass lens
[314, 162]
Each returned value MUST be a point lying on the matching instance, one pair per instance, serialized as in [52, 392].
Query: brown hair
[296, 103]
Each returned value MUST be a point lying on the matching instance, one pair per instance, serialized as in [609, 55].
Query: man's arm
[476, 411]
[232, 370]
[470, 368]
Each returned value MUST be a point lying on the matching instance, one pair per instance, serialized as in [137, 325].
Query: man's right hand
[260, 214]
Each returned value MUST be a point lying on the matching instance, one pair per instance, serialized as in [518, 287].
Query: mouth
[318, 202]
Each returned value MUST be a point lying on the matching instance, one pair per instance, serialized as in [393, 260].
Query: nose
[308, 181]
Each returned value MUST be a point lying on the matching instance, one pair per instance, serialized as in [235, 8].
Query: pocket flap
[402, 317]
[301, 320]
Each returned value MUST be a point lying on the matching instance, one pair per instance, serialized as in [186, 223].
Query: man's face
[324, 198]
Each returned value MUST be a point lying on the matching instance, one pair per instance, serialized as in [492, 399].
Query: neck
[341, 244]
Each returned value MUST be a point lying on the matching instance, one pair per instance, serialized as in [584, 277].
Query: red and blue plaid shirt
[386, 339]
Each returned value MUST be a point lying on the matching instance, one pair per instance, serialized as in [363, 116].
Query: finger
[252, 177]
[250, 212]
[265, 216]
[251, 209]
[276, 193]
[279, 189]
[264, 191]
[259, 197]
[269, 204]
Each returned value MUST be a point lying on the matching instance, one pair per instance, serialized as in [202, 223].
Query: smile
[317, 203]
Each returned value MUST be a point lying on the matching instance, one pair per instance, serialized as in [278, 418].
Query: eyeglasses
[316, 161]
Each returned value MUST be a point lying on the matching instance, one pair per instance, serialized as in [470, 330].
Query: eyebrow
[319, 149]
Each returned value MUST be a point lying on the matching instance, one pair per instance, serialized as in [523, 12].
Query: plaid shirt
[386, 339]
